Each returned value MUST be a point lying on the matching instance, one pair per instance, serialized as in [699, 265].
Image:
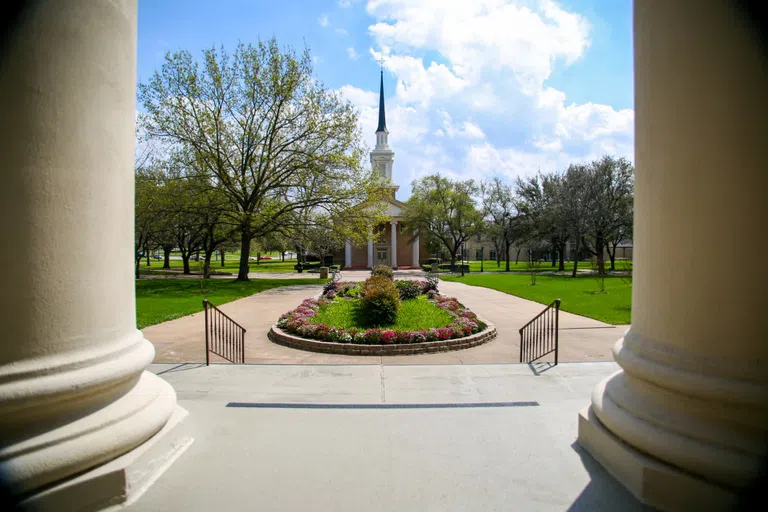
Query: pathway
[581, 339]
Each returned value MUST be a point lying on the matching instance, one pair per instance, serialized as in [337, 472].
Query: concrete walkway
[581, 339]
[381, 438]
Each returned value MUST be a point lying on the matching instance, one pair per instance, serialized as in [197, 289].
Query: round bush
[408, 290]
[379, 301]
[383, 270]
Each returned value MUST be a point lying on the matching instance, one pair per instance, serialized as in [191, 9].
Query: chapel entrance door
[381, 256]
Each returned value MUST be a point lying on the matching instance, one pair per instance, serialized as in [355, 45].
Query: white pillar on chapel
[393, 243]
[683, 425]
[415, 249]
[370, 248]
[74, 392]
[348, 254]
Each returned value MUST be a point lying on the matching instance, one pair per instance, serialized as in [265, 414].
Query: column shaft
[370, 248]
[348, 254]
[73, 393]
[692, 393]
[393, 243]
[415, 250]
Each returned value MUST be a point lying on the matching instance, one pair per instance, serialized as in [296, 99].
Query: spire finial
[381, 62]
[382, 118]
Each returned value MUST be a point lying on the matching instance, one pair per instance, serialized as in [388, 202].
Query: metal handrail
[226, 339]
[544, 337]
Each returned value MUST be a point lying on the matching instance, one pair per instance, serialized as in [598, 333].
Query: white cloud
[465, 130]
[342, 31]
[471, 96]
[344, 3]
[352, 53]
[323, 20]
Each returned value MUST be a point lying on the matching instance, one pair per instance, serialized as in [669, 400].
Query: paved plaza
[380, 438]
[581, 338]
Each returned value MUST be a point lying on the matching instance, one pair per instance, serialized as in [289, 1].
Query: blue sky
[473, 88]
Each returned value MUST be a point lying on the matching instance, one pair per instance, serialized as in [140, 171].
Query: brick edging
[280, 337]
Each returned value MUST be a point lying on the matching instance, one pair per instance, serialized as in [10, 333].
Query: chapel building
[392, 243]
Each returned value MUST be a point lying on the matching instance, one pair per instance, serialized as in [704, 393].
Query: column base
[652, 482]
[121, 481]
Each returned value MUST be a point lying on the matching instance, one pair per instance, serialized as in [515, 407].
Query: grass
[231, 264]
[413, 315]
[577, 294]
[546, 266]
[160, 300]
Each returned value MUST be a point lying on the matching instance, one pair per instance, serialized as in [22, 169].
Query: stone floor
[380, 438]
[581, 339]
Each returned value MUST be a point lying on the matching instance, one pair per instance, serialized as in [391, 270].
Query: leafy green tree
[504, 224]
[444, 211]
[261, 128]
[610, 191]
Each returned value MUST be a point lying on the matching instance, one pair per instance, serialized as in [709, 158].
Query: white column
[683, 424]
[393, 243]
[348, 254]
[415, 249]
[370, 248]
[73, 390]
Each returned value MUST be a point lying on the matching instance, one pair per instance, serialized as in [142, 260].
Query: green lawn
[160, 300]
[522, 266]
[578, 295]
[231, 264]
[413, 315]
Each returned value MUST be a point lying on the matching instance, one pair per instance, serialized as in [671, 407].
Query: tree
[260, 128]
[444, 211]
[542, 203]
[504, 224]
[611, 191]
[146, 220]
[576, 206]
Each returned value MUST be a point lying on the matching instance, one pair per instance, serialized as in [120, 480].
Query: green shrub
[379, 301]
[408, 290]
[383, 270]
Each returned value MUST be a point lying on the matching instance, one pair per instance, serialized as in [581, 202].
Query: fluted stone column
[370, 248]
[393, 244]
[73, 390]
[348, 254]
[415, 249]
[684, 423]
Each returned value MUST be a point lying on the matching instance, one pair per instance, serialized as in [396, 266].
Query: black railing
[223, 336]
[539, 336]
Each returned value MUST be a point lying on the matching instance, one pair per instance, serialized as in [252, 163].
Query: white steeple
[382, 157]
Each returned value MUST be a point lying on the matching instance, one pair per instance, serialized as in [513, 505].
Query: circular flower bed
[461, 322]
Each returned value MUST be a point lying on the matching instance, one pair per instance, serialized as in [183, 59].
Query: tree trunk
[600, 250]
[506, 255]
[185, 261]
[207, 263]
[612, 256]
[222, 257]
[561, 264]
[282, 256]
[575, 257]
[138, 267]
[166, 257]
[245, 246]
[517, 257]
[146, 252]
[258, 258]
